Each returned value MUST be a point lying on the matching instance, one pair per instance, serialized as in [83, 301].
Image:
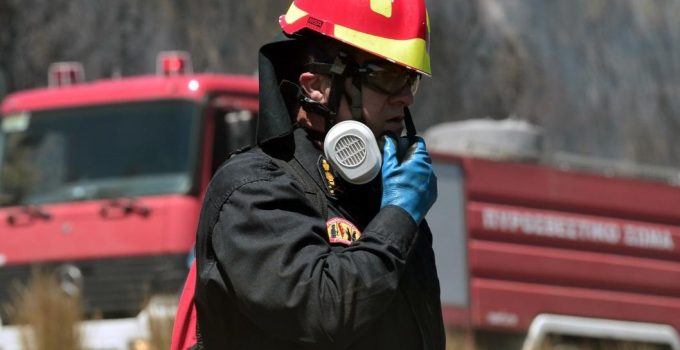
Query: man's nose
[404, 96]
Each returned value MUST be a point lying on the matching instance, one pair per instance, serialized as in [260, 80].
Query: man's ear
[314, 86]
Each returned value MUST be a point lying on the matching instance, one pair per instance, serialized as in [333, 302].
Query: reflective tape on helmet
[410, 52]
[383, 7]
[294, 14]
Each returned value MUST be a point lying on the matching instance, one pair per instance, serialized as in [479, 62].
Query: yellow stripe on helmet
[409, 52]
[382, 7]
[294, 13]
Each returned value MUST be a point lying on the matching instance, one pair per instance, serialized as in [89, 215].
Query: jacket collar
[308, 154]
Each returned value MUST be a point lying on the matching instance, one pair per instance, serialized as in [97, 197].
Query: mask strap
[354, 98]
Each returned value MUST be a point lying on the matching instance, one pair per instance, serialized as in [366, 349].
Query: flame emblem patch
[341, 231]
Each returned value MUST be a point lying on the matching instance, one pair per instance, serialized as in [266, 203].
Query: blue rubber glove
[411, 183]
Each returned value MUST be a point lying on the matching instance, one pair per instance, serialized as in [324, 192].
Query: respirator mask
[356, 155]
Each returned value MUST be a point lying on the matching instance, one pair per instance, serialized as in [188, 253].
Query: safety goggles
[388, 78]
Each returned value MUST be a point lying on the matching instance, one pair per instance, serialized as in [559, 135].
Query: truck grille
[111, 288]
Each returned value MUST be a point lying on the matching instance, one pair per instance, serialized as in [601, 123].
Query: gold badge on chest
[329, 178]
[341, 231]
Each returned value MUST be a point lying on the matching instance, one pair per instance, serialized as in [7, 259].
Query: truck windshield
[110, 151]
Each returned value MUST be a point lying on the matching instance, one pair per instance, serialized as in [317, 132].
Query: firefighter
[275, 269]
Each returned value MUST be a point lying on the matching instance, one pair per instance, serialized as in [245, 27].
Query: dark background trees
[601, 77]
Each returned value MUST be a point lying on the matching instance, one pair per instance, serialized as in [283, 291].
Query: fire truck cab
[103, 181]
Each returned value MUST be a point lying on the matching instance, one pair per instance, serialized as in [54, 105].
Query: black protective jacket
[270, 278]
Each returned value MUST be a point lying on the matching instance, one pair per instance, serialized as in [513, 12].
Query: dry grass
[458, 340]
[50, 316]
[161, 311]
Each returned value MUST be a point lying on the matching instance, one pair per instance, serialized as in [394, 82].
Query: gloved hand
[410, 183]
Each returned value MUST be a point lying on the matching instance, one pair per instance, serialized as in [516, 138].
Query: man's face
[382, 110]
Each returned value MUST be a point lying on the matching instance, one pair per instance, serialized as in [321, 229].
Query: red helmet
[397, 30]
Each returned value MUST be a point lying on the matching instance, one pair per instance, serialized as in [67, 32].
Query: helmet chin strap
[354, 99]
[341, 68]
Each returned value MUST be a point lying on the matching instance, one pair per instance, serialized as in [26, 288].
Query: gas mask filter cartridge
[353, 152]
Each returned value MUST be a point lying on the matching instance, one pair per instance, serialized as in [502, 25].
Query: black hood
[278, 106]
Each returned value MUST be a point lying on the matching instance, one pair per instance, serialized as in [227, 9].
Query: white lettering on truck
[576, 229]
[647, 237]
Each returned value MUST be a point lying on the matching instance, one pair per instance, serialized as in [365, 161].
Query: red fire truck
[553, 249]
[102, 181]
